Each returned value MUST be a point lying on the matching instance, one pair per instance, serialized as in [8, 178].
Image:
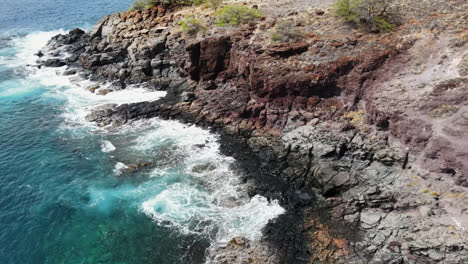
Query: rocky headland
[362, 136]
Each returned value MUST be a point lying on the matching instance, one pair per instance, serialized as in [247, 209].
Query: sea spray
[202, 195]
[107, 146]
[188, 191]
[197, 192]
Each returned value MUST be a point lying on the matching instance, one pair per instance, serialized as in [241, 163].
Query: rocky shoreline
[361, 137]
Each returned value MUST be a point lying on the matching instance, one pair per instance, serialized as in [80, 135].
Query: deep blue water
[24, 16]
[63, 198]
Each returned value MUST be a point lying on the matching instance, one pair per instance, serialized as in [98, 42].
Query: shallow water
[66, 193]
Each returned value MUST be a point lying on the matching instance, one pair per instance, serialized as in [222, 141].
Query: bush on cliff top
[192, 26]
[139, 4]
[236, 15]
[286, 31]
[142, 4]
[371, 12]
[215, 4]
[209, 3]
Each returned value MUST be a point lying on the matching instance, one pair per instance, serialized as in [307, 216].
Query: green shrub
[372, 12]
[346, 9]
[215, 4]
[192, 26]
[142, 4]
[286, 31]
[209, 3]
[198, 2]
[382, 24]
[236, 15]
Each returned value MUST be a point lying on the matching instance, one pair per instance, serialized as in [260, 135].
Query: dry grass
[356, 118]
[445, 111]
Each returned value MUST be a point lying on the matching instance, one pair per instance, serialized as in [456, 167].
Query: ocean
[67, 190]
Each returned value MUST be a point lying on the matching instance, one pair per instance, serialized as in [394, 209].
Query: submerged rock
[101, 114]
[70, 72]
[104, 91]
[39, 54]
[136, 167]
[94, 88]
[203, 168]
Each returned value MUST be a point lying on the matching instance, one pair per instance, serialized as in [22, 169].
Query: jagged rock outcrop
[362, 137]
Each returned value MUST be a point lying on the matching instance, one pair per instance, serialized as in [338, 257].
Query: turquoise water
[65, 196]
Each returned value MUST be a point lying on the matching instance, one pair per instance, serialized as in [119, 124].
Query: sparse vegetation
[382, 24]
[463, 66]
[459, 41]
[236, 15]
[371, 12]
[346, 9]
[445, 111]
[192, 26]
[356, 119]
[286, 31]
[215, 4]
[209, 3]
[142, 4]
[198, 2]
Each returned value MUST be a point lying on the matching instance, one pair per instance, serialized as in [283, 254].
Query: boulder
[287, 49]
[97, 28]
[208, 167]
[89, 61]
[371, 218]
[187, 96]
[105, 107]
[69, 72]
[104, 91]
[94, 88]
[54, 63]
[76, 32]
[319, 12]
[72, 59]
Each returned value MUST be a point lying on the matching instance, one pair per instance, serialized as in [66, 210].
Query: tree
[192, 26]
[372, 12]
[286, 31]
[236, 15]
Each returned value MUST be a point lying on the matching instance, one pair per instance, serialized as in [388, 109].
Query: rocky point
[363, 137]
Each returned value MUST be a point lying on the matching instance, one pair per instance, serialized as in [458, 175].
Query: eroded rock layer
[362, 137]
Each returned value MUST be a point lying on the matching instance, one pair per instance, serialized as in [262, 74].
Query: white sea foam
[119, 167]
[196, 211]
[27, 46]
[206, 197]
[170, 131]
[19, 56]
[81, 101]
[16, 87]
[74, 89]
[107, 146]
[104, 200]
[211, 201]
[159, 172]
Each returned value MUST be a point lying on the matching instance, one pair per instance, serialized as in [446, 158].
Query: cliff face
[363, 137]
